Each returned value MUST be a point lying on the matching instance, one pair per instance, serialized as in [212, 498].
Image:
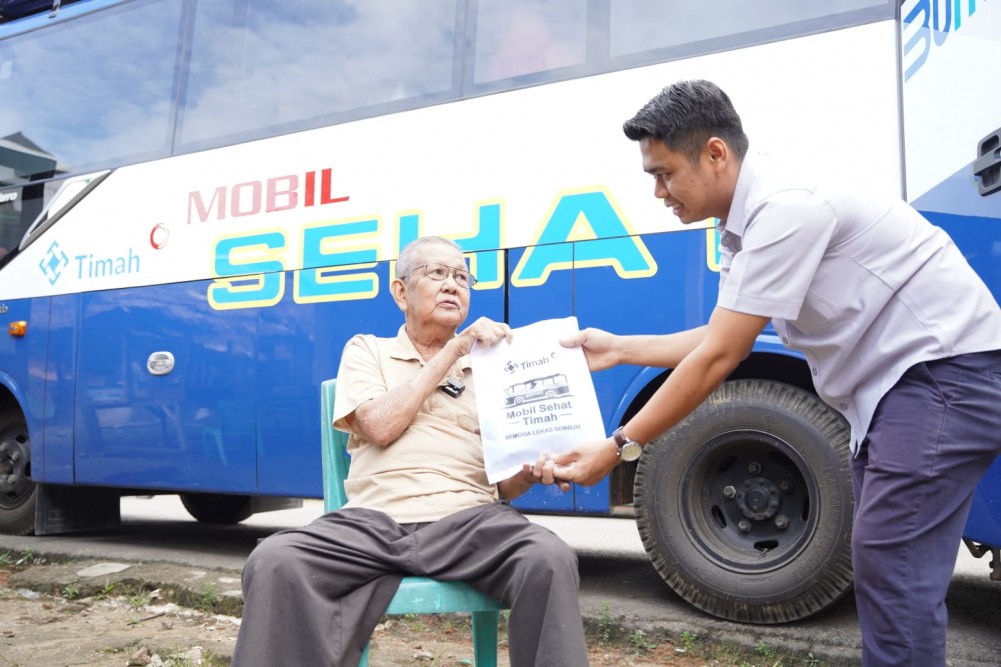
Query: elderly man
[419, 500]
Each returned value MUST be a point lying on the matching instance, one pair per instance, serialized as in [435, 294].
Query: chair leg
[485, 638]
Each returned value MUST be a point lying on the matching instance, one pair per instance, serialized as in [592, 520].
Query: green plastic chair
[416, 595]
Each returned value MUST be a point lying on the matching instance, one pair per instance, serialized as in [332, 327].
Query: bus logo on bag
[537, 389]
[54, 262]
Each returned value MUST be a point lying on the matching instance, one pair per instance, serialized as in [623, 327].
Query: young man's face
[694, 191]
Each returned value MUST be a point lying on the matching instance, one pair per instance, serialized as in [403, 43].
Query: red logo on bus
[158, 236]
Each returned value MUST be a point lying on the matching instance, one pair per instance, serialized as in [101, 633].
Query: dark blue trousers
[933, 437]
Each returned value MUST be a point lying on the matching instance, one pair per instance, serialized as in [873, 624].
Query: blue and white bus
[201, 201]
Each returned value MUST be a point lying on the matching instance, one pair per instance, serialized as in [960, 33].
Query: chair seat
[421, 595]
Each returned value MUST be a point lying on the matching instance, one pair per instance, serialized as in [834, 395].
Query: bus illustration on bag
[536, 389]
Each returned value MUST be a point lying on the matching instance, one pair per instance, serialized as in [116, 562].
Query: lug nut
[729, 492]
[781, 522]
[744, 525]
[754, 468]
[785, 485]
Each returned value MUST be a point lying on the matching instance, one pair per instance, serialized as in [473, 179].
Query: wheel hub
[14, 461]
[759, 499]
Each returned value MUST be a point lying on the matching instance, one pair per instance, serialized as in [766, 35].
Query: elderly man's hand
[485, 332]
[541, 472]
[587, 464]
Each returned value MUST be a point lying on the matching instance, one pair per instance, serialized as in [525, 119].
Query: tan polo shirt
[435, 467]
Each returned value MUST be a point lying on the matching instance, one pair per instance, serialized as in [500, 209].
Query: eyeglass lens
[441, 272]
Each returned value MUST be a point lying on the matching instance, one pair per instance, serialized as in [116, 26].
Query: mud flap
[71, 509]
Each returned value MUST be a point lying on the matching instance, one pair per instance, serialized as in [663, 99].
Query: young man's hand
[599, 347]
[587, 464]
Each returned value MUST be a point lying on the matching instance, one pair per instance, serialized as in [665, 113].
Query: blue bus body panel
[984, 523]
[299, 347]
[57, 436]
[22, 359]
[976, 235]
[192, 429]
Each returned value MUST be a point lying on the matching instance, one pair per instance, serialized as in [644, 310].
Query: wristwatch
[628, 450]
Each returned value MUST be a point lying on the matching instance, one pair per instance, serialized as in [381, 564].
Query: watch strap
[620, 440]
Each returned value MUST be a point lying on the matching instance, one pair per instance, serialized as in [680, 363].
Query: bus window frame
[44, 220]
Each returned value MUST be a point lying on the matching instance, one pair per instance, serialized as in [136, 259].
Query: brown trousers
[313, 595]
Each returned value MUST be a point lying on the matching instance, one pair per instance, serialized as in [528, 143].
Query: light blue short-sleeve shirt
[864, 287]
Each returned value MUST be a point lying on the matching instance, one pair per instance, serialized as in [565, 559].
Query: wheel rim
[746, 501]
[15, 467]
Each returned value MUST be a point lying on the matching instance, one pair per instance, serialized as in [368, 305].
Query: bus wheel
[217, 507]
[17, 491]
[745, 507]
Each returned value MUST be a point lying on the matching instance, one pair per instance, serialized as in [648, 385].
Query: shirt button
[843, 406]
[813, 370]
[785, 341]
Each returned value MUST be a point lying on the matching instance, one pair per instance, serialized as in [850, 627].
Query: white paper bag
[533, 395]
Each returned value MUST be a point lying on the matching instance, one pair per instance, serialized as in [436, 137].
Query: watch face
[630, 451]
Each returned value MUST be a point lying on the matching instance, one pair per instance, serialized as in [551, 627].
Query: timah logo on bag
[514, 366]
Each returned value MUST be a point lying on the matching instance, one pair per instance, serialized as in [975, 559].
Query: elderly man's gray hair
[410, 255]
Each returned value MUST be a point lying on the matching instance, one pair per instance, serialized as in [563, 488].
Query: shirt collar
[402, 348]
[736, 219]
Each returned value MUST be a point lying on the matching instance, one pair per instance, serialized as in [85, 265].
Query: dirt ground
[122, 628]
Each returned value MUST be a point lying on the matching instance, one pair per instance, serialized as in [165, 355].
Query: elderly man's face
[441, 302]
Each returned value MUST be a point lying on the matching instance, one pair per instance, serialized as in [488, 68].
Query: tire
[17, 491]
[745, 507]
[217, 507]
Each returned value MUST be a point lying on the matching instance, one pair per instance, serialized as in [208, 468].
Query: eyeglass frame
[451, 273]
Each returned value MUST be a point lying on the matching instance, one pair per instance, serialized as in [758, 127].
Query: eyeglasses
[440, 272]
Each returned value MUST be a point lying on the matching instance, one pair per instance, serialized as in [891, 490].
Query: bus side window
[519, 37]
[679, 27]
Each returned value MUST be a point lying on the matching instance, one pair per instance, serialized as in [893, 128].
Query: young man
[900, 334]
[419, 500]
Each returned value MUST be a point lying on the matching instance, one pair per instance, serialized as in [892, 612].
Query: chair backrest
[334, 450]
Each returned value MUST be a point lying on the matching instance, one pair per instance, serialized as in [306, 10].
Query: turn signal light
[18, 329]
